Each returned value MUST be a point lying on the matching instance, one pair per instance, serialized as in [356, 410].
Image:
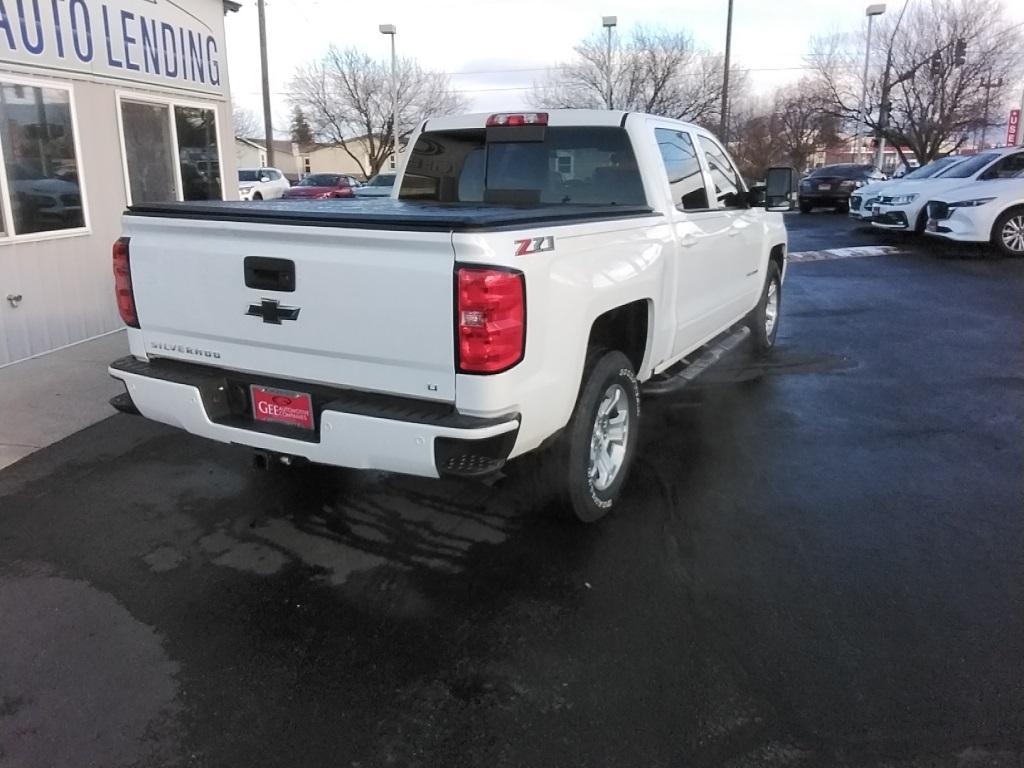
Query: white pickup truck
[529, 273]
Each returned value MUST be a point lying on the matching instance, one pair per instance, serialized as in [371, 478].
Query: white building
[102, 103]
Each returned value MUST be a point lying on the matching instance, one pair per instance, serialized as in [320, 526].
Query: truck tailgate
[374, 307]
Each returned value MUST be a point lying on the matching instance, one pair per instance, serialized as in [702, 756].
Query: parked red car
[318, 186]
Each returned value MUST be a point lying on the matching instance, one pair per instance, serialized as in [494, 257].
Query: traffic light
[936, 64]
[960, 52]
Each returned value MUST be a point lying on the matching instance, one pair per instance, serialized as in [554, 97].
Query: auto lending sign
[156, 41]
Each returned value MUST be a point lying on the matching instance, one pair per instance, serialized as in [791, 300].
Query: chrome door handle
[688, 242]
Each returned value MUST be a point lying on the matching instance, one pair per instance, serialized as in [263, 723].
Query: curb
[858, 252]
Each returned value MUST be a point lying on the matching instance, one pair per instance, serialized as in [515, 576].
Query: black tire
[257, 196]
[764, 337]
[805, 206]
[570, 458]
[843, 208]
[1002, 239]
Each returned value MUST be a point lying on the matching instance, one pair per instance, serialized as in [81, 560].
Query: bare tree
[654, 71]
[784, 128]
[347, 95]
[246, 124]
[803, 121]
[937, 97]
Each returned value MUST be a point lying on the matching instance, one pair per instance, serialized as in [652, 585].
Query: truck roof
[556, 117]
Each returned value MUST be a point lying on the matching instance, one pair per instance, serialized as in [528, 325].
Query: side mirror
[780, 188]
[756, 196]
[264, 179]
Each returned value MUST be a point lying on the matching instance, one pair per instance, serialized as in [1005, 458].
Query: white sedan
[983, 212]
[901, 206]
[862, 201]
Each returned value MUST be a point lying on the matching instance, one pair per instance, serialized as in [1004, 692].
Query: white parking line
[858, 252]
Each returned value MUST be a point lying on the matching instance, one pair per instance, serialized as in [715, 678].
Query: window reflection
[197, 153]
[39, 151]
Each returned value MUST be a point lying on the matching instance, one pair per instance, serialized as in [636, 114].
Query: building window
[171, 151]
[305, 165]
[197, 153]
[38, 143]
[391, 162]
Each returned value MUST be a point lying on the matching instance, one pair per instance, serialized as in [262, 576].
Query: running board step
[713, 352]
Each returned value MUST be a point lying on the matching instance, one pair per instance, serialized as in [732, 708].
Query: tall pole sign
[1013, 128]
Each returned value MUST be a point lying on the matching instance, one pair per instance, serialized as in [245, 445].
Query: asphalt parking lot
[819, 562]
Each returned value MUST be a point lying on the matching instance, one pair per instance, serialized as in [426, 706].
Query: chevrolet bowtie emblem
[272, 312]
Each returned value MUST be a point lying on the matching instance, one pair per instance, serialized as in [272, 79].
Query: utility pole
[871, 12]
[988, 85]
[609, 22]
[268, 126]
[885, 105]
[723, 129]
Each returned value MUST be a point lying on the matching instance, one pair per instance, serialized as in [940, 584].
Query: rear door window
[685, 178]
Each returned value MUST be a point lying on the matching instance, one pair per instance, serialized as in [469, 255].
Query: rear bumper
[825, 199]
[353, 429]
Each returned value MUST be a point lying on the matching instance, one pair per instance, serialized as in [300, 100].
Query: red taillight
[518, 118]
[123, 284]
[490, 319]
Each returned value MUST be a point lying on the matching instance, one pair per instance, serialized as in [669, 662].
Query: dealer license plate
[932, 225]
[876, 210]
[824, 187]
[282, 406]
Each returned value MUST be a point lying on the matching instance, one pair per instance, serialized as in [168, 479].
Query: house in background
[297, 160]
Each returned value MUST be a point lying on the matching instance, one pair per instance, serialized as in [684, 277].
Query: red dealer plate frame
[282, 406]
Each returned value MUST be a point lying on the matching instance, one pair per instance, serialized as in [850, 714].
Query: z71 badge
[535, 245]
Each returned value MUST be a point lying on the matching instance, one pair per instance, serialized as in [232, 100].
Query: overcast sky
[495, 49]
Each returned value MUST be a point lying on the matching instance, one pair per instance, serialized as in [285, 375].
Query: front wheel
[1008, 233]
[806, 206]
[763, 320]
[594, 454]
[257, 196]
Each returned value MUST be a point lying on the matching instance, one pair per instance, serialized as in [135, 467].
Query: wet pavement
[818, 562]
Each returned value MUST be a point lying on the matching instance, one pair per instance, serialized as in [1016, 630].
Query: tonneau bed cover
[389, 214]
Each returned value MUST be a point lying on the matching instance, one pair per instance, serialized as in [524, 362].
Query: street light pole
[390, 29]
[268, 126]
[872, 11]
[609, 23]
[722, 130]
[883, 109]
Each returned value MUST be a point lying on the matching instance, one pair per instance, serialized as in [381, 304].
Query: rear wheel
[805, 206]
[764, 318]
[592, 458]
[1008, 233]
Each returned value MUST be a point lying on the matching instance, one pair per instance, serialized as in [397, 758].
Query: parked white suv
[902, 206]
[532, 273]
[983, 212]
[261, 183]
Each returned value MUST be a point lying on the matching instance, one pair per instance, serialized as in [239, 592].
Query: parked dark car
[831, 185]
[318, 186]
